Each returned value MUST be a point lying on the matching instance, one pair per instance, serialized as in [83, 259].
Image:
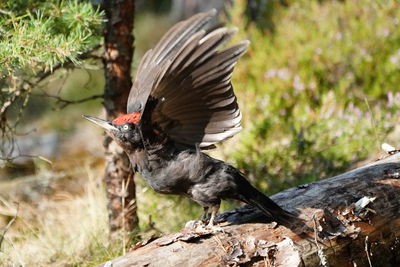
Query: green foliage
[39, 34]
[318, 93]
[35, 36]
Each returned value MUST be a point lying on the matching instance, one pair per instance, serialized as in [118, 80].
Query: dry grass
[60, 229]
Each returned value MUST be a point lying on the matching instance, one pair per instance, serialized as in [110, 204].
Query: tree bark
[118, 44]
[349, 220]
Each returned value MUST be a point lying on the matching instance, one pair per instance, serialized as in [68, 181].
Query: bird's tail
[255, 198]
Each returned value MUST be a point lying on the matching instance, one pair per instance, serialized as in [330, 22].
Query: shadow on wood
[350, 220]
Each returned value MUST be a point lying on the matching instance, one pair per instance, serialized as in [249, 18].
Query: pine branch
[85, 55]
[65, 102]
[24, 90]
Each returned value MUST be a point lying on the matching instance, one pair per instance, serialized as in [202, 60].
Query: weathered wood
[351, 220]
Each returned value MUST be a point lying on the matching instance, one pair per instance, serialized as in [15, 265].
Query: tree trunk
[118, 44]
[349, 220]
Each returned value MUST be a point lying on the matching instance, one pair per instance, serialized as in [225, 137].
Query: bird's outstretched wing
[184, 87]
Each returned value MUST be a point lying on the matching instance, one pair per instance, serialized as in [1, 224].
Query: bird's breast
[166, 183]
[175, 174]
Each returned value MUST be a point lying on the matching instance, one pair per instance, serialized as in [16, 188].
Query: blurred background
[318, 89]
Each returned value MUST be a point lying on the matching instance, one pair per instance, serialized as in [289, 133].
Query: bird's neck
[138, 158]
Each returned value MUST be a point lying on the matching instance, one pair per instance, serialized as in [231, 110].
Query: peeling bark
[118, 44]
[349, 220]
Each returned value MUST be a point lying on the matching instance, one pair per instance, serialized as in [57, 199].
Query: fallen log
[351, 219]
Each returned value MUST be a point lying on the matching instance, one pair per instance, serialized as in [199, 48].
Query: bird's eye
[125, 127]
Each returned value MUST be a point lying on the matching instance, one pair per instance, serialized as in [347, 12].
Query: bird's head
[123, 129]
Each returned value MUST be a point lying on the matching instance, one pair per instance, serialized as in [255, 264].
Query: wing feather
[189, 79]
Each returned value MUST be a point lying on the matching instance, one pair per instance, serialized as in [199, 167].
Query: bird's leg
[210, 227]
[199, 223]
[214, 212]
[205, 215]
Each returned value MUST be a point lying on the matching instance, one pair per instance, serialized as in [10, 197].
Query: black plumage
[182, 102]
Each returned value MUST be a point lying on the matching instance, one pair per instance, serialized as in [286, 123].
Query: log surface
[351, 219]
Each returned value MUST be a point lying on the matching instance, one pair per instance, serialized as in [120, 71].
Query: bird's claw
[215, 229]
[200, 227]
[210, 227]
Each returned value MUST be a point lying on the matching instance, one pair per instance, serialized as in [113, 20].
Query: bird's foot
[215, 229]
[204, 219]
[199, 226]
[211, 228]
[217, 220]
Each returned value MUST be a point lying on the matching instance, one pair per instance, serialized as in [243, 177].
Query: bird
[181, 104]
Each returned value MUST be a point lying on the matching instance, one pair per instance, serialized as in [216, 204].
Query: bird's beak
[102, 123]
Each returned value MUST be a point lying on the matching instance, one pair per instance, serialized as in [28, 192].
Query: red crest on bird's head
[133, 117]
